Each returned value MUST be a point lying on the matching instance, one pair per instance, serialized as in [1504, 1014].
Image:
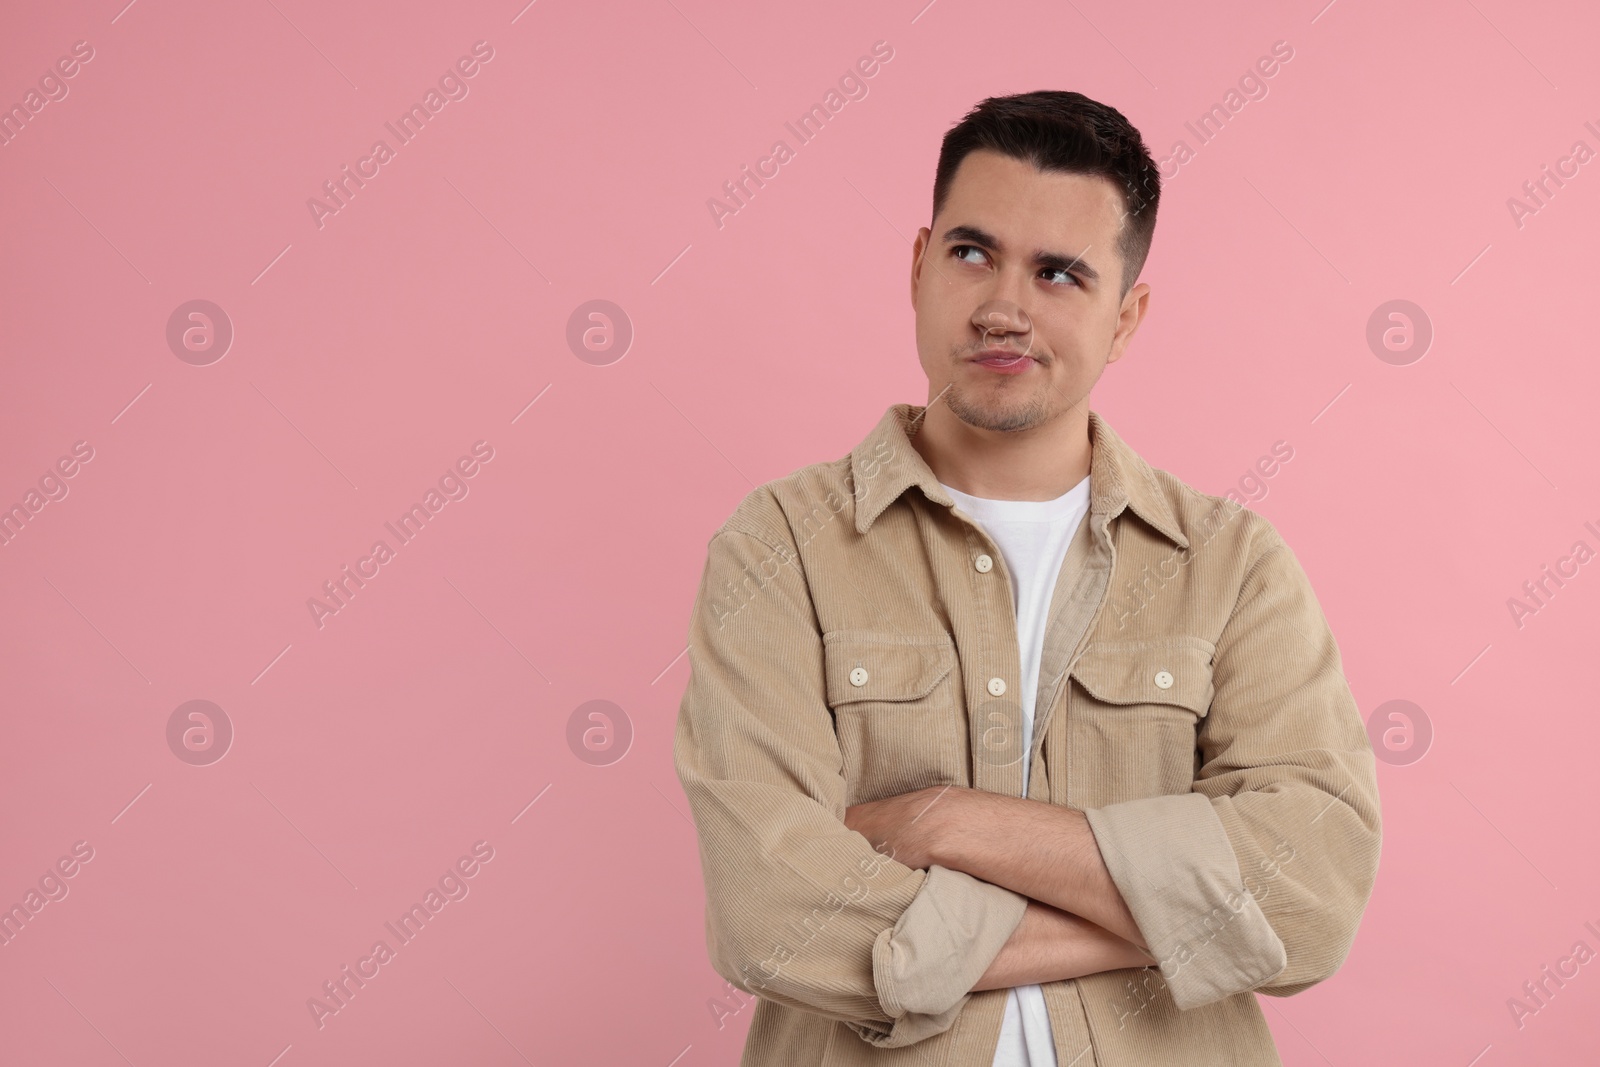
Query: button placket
[1101, 559]
[994, 600]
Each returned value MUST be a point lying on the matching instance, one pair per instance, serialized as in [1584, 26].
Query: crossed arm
[1076, 923]
[1254, 880]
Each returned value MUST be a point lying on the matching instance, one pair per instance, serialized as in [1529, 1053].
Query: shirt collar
[1118, 476]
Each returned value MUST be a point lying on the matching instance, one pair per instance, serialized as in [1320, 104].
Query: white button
[983, 563]
[858, 676]
[1163, 679]
[997, 686]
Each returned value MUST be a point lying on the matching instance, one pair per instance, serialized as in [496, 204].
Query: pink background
[431, 311]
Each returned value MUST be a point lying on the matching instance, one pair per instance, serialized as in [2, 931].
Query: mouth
[1003, 360]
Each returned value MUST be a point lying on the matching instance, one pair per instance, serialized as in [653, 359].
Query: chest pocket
[895, 710]
[1134, 714]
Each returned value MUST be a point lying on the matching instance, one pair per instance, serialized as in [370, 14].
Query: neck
[1039, 463]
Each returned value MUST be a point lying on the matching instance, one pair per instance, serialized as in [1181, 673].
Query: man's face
[1021, 260]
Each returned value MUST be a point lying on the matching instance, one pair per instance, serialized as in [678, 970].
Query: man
[1005, 747]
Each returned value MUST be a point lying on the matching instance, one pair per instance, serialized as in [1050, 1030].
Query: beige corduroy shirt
[850, 626]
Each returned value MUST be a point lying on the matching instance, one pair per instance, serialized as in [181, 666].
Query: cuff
[1175, 867]
[925, 965]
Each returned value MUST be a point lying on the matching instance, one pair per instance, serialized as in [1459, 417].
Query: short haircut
[1056, 130]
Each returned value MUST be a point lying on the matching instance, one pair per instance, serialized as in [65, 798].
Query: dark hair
[1064, 131]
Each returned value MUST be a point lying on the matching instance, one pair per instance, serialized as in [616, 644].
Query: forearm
[1050, 945]
[1043, 851]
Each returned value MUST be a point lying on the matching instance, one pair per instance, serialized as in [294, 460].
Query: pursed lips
[1000, 353]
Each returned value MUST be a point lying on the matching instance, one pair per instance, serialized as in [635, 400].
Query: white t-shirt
[1033, 536]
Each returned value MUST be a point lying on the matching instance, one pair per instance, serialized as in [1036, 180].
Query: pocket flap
[865, 666]
[1135, 673]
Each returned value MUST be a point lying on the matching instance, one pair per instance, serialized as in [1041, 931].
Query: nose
[1001, 320]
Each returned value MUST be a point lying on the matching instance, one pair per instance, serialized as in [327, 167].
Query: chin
[1002, 416]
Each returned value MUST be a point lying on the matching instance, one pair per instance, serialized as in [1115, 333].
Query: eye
[958, 251]
[1066, 275]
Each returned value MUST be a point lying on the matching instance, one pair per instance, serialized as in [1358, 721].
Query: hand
[906, 828]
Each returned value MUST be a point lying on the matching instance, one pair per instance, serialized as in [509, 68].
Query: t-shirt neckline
[1023, 510]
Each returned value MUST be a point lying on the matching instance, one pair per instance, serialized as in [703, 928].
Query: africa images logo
[452, 86]
[452, 885]
[852, 86]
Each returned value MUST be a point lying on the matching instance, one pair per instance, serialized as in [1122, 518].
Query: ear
[919, 248]
[1134, 306]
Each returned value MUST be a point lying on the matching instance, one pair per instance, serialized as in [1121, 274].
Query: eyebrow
[989, 242]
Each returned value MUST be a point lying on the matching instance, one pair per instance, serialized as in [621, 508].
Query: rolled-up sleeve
[800, 909]
[1258, 878]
